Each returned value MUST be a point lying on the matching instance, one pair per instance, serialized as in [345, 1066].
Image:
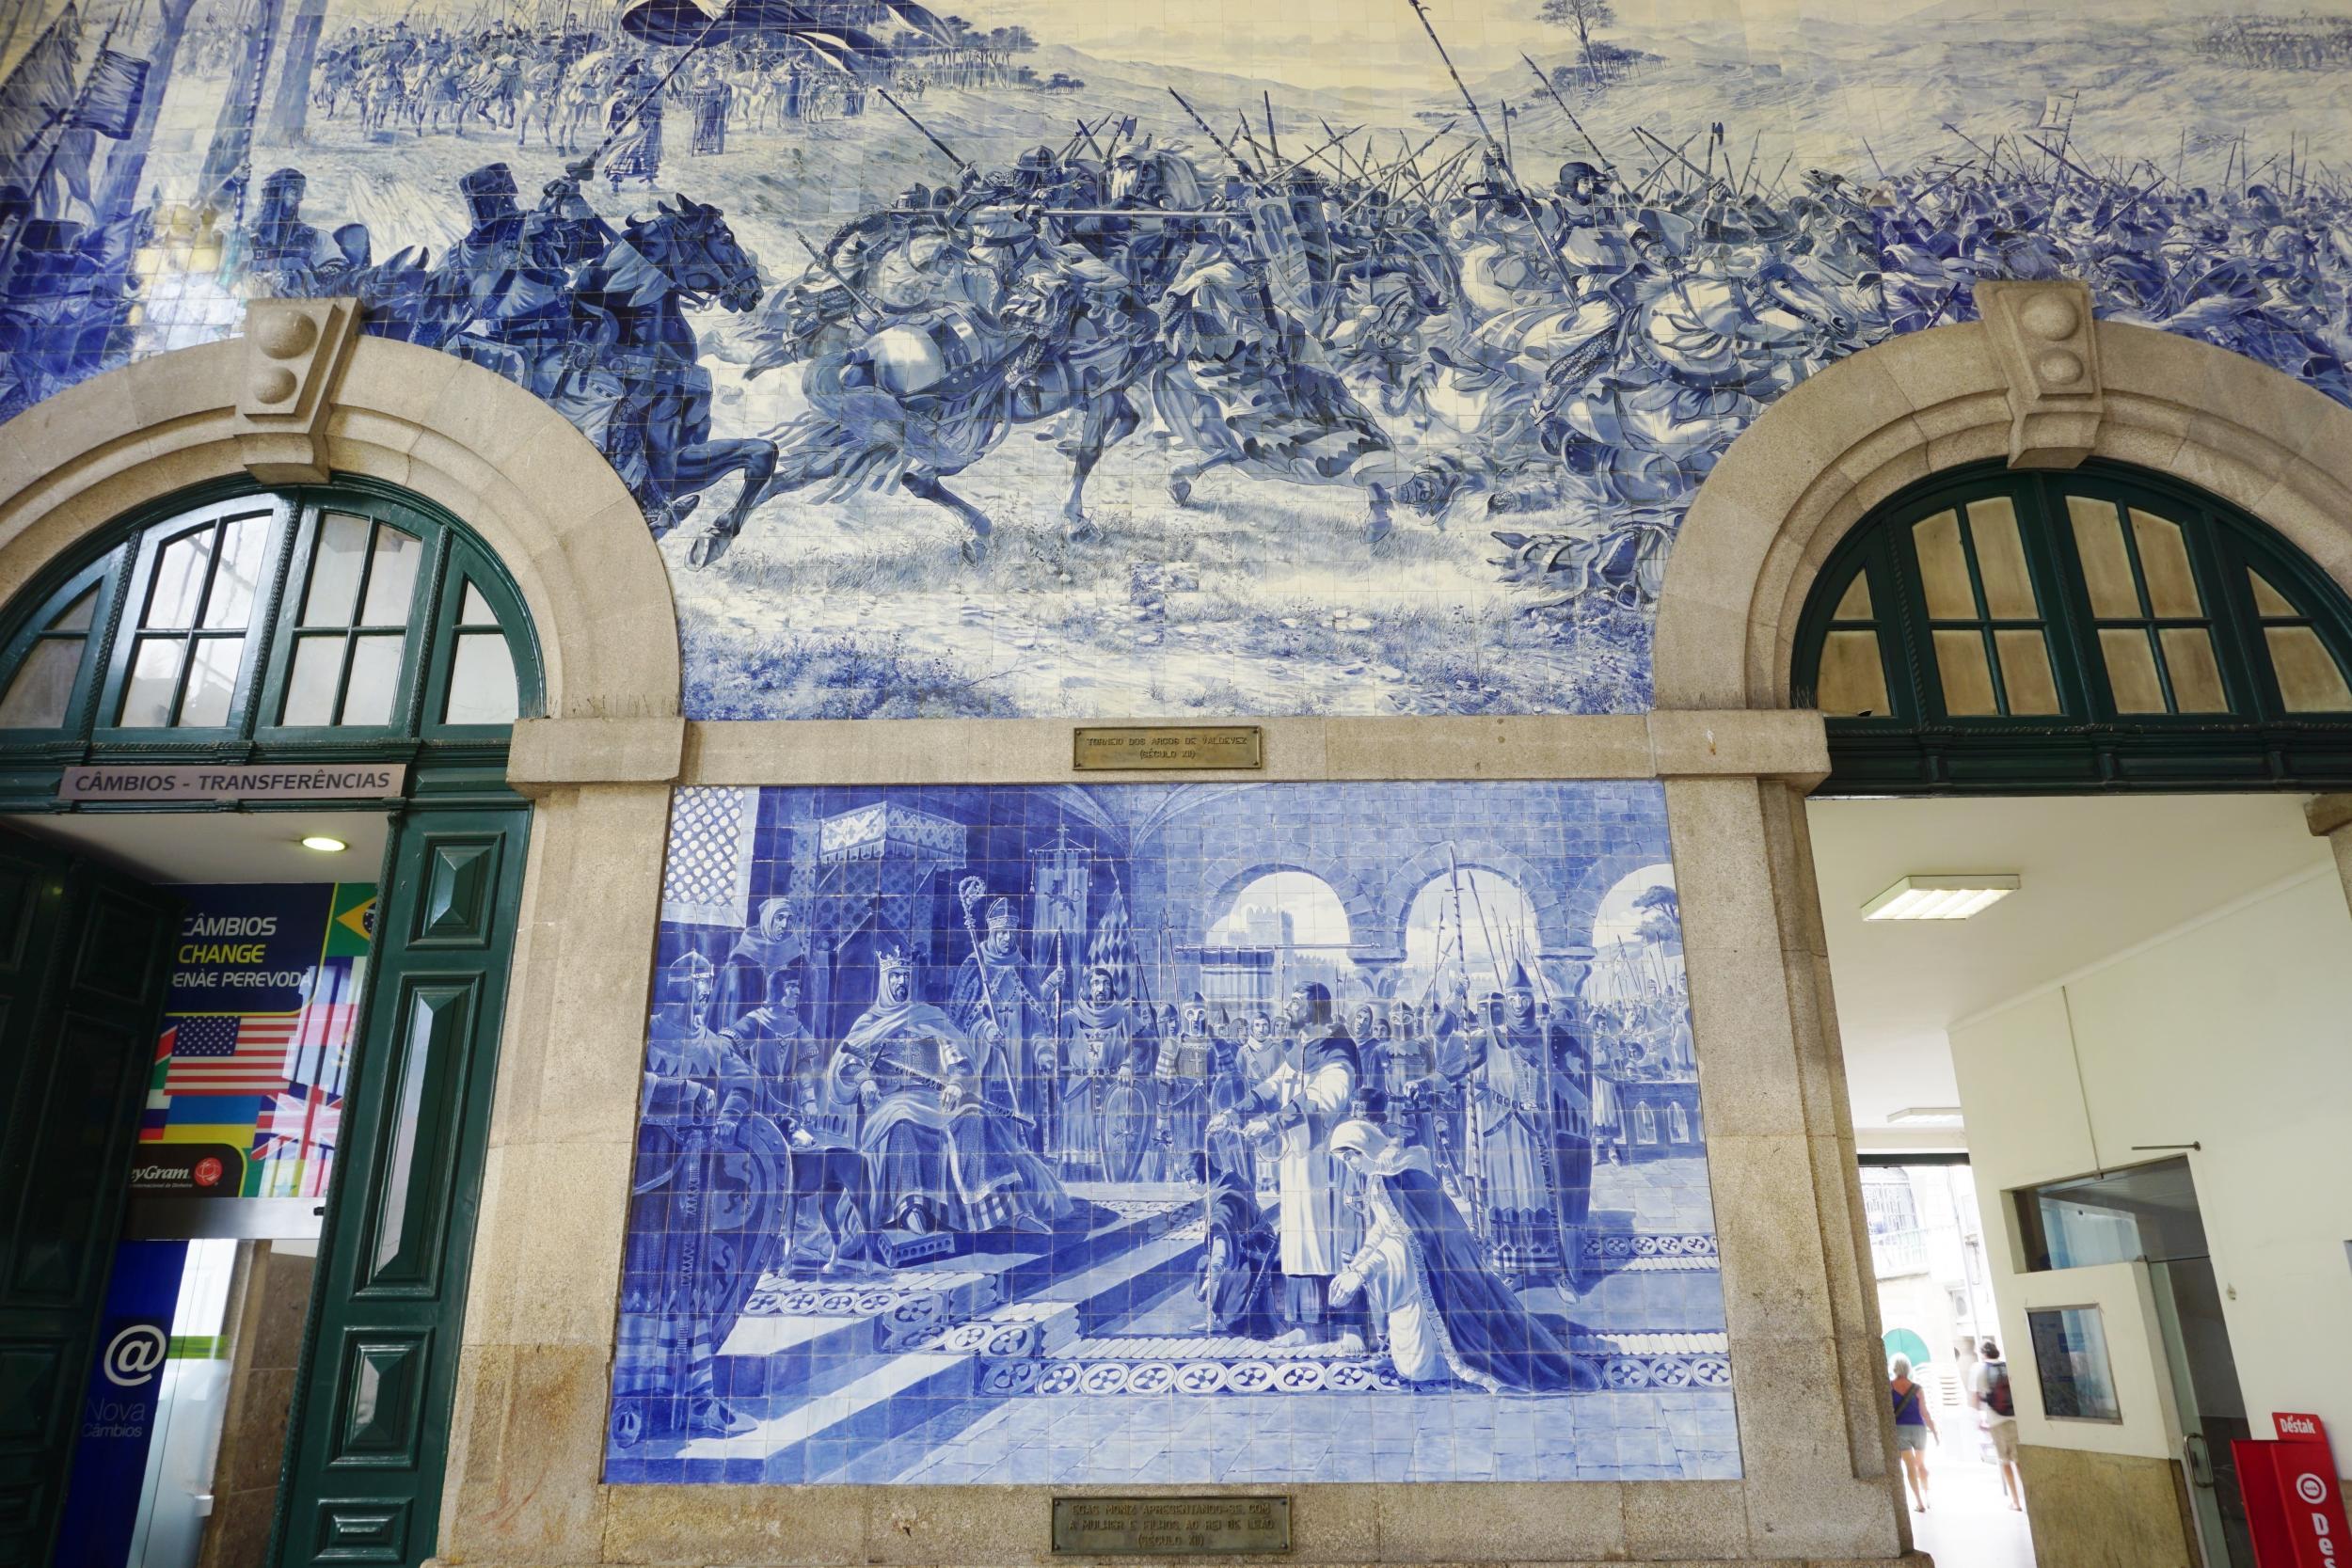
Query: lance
[1222, 145]
[589, 164]
[1674, 155]
[1251, 137]
[1552, 244]
[860, 300]
[907, 115]
[1271, 139]
[1563, 103]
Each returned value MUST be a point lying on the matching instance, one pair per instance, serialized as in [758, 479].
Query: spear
[1271, 139]
[908, 116]
[1551, 243]
[860, 300]
[1578, 124]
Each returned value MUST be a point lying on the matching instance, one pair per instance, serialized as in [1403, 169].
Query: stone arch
[1554, 920]
[1224, 883]
[535, 489]
[1828, 451]
[1600, 878]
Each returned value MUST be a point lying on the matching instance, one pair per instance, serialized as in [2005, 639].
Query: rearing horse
[631, 374]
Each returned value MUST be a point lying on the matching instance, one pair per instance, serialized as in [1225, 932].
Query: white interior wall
[2234, 1033]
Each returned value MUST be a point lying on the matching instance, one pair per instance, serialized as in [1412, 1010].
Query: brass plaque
[1184, 746]
[1174, 1527]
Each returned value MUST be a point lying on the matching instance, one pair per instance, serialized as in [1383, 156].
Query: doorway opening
[260, 873]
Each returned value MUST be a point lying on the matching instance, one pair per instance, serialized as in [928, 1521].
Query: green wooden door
[369, 1431]
[83, 955]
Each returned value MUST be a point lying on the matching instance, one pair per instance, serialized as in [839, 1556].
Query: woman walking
[1913, 1425]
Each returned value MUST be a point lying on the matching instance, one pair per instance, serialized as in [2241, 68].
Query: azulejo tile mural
[1171, 1133]
[1069, 359]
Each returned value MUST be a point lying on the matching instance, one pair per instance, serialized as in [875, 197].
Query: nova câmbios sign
[306, 780]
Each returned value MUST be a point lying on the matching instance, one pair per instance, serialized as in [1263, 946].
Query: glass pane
[44, 684]
[2131, 671]
[2269, 602]
[335, 571]
[2026, 672]
[2164, 561]
[2001, 560]
[155, 673]
[212, 681]
[318, 662]
[2070, 1356]
[1855, 606]
[1943, 569]
[2308, 679]
[1967, 681]
[2196, 678]
[243, 548]
[482, 679]
[76, 616]
[375, 679]
[2107, 570]
[171, 600]
[393, 578]
[476, 611]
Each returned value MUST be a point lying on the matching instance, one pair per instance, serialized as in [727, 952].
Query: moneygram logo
[132, 1355]
[2310, 1488]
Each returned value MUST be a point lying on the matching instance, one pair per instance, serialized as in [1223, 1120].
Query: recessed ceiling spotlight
[1939, 897]
[326, 844]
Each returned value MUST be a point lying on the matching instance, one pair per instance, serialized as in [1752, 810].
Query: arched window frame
[121, 563]
[1919, 746]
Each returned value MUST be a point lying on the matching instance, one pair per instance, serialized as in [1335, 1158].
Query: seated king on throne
[942, 1151]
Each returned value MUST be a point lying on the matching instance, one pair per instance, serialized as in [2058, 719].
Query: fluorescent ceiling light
[323, 843]
[1926, 1115]
[1939, 897]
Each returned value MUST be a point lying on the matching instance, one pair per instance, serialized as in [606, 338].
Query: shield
[1127, 1131]
[1287, 256]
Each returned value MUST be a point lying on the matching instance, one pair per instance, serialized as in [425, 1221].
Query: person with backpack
[1990, 1393]
[1914, 1423]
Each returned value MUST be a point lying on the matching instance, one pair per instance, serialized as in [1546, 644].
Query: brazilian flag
[351, 921]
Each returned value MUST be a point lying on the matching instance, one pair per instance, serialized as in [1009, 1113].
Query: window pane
[375, 679]
[2196, 678]
[2107, 570]
[2026, 672]
[212, 681]
[1967, 681]
[171, 600]
[482, 679]
[1854, 606]
[243, 548]
[2001, 560]
[476, 612]
[2308, 679]
[44, 684]
[2269, 602]
[335, 570]
[393, 580]
[318, 662]
[2164, 561]
[1943, 569]
[2131, 671]
[155, 673]
[76, 616]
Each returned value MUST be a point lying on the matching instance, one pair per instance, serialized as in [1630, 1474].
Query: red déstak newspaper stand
[2293, 1503]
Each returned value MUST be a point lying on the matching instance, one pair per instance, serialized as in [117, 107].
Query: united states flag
[230, 1055]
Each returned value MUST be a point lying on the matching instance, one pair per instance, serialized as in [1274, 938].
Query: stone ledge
[1774, 744]
[550, 753]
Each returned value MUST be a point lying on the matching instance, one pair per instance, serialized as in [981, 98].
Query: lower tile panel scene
[1170, 1134]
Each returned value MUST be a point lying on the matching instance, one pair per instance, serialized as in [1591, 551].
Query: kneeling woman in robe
[1425, 1278]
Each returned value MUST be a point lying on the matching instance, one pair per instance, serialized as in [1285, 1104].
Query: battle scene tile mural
[1072, 359]
[1171, 1135]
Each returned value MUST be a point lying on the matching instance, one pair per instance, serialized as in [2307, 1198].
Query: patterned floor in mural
[1088, 1359]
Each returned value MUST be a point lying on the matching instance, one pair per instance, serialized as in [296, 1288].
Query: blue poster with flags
[119, 1405]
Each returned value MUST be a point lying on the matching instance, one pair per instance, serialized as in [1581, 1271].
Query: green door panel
[370, 1436]
[82, 960]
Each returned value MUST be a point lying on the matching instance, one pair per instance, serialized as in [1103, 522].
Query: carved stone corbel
[2049, 355]
[294, 349]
